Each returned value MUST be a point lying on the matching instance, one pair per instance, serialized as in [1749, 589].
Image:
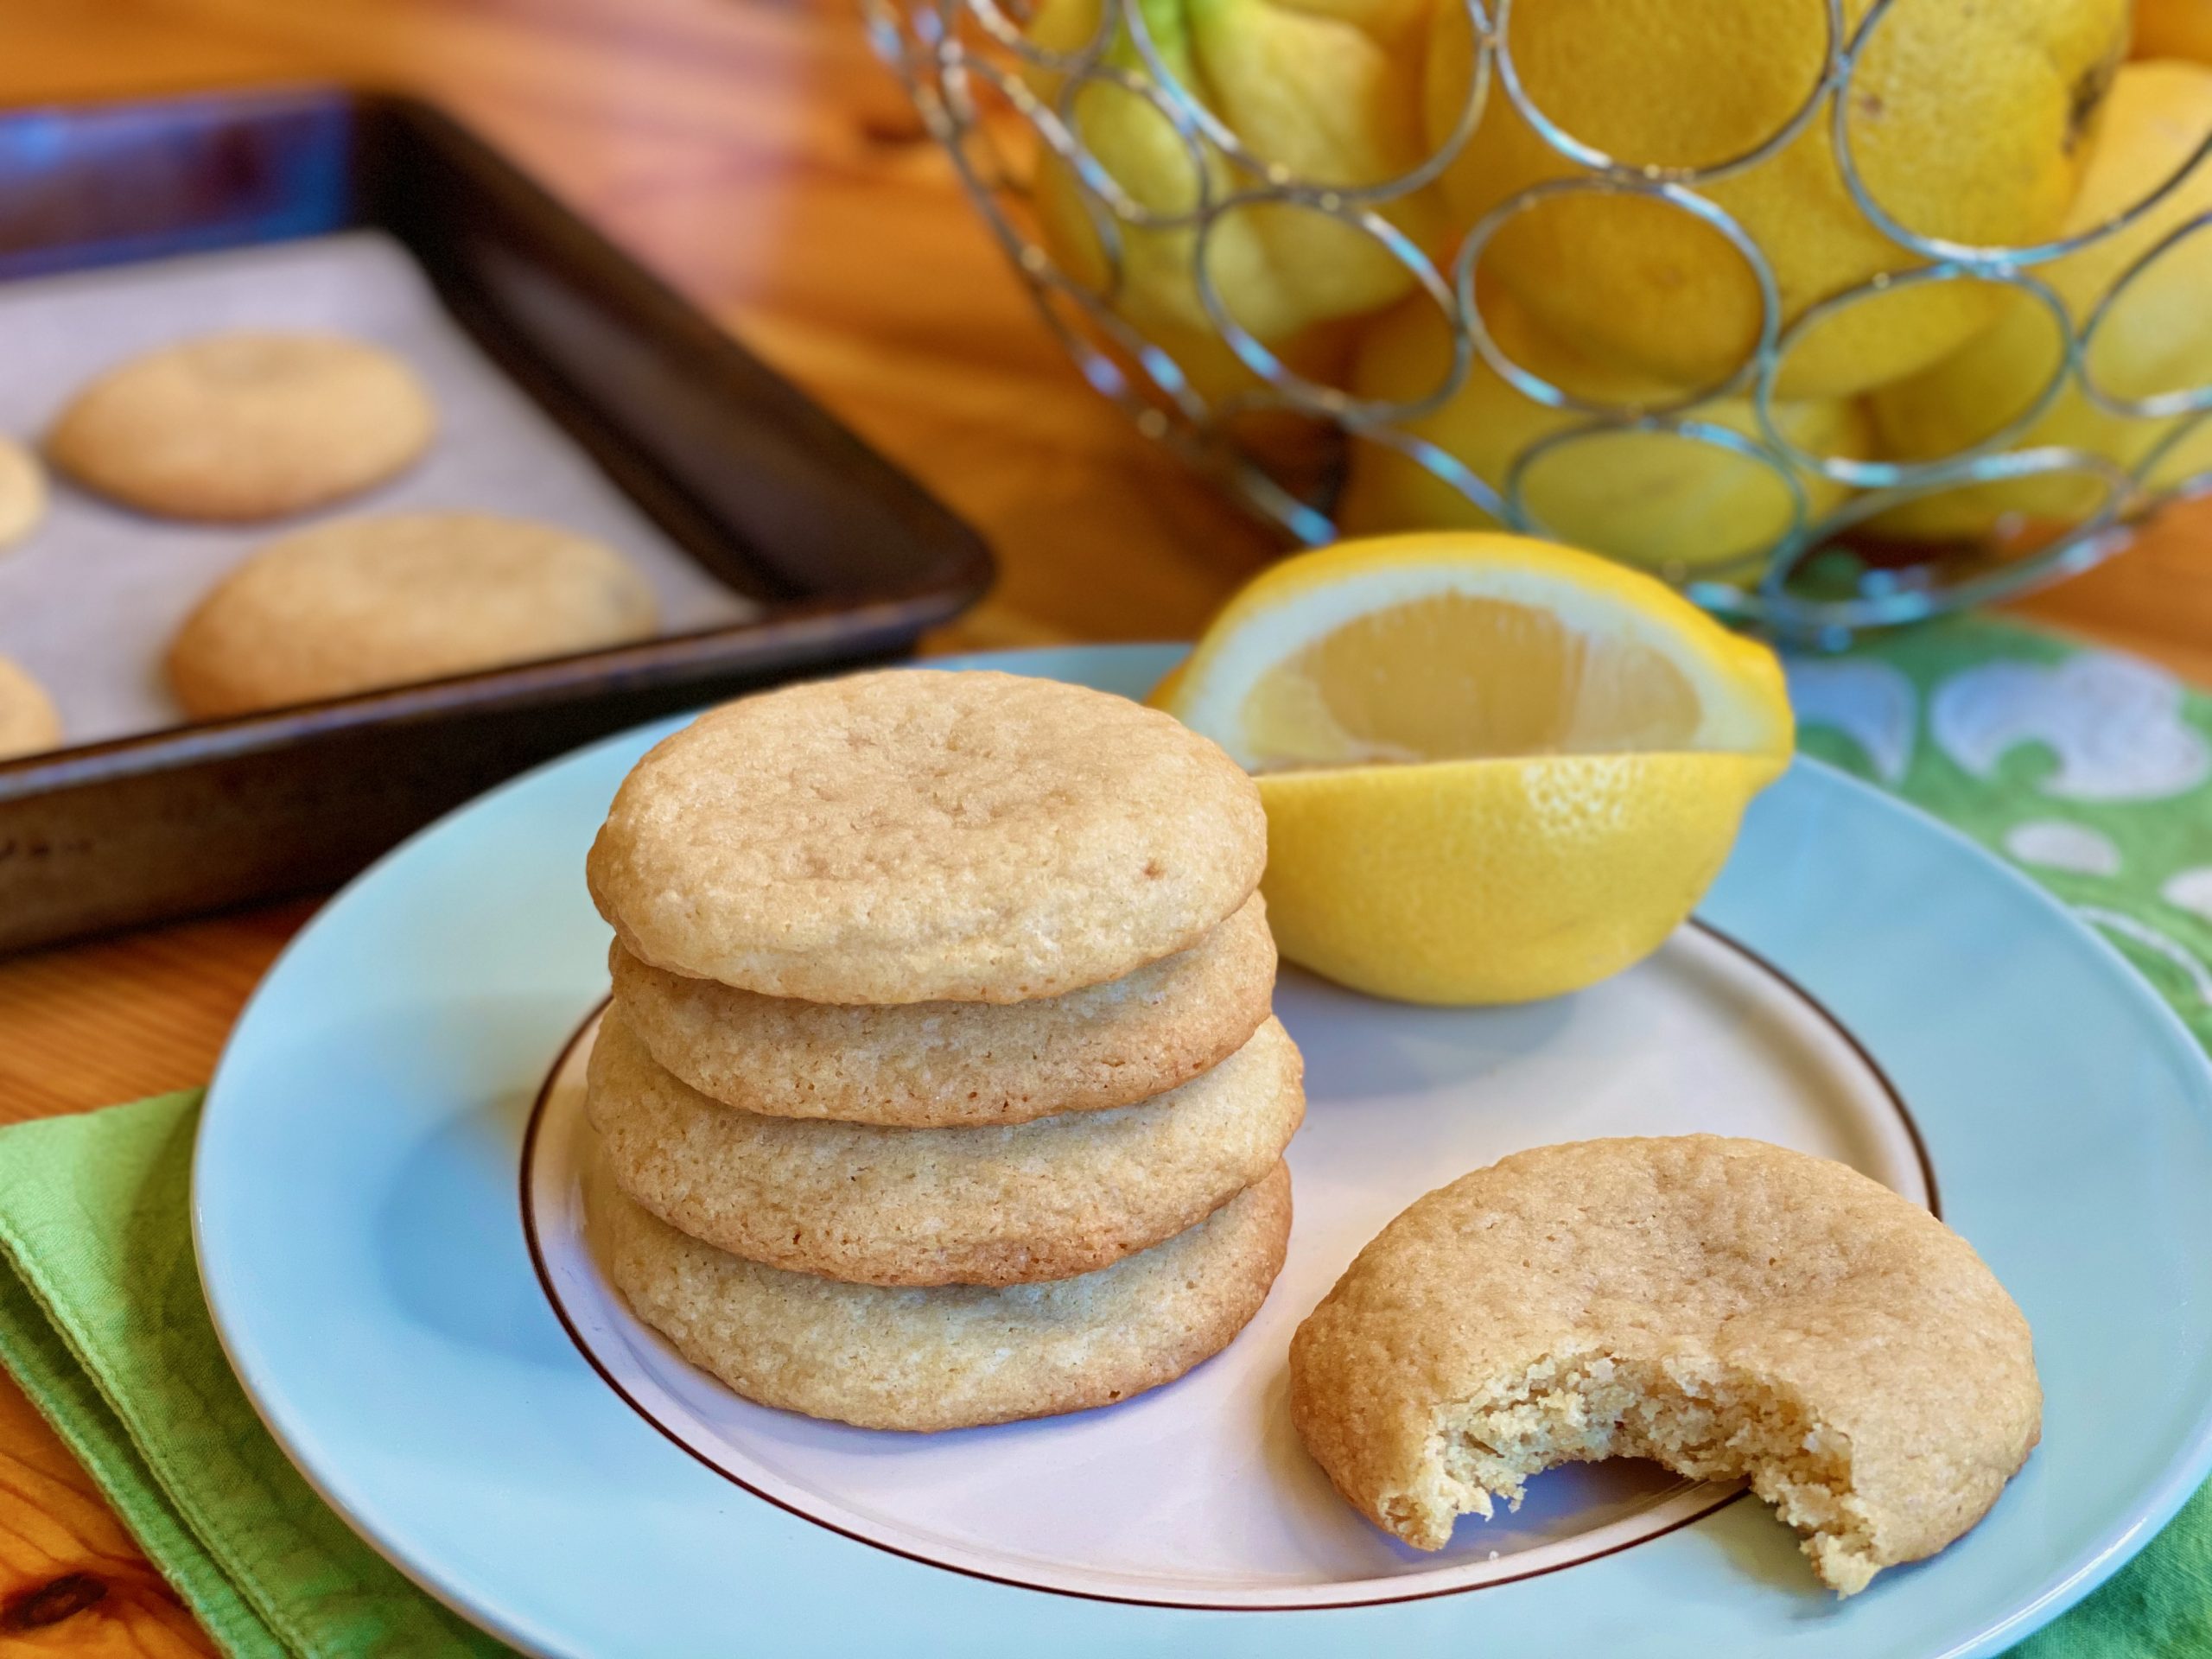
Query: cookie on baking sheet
[1726, 1307]
[945, 1064]
[29, 722]
[961, 1355]
[22, 493]
[993, 1205]
[917, 835]
[237, 428]
[363, 603]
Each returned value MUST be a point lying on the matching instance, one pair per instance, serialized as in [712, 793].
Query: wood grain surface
[753, 152]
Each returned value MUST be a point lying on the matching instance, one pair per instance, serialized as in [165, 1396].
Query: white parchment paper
[89, 601]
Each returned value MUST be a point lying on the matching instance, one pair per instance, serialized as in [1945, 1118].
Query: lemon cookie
[368, 602]
[917, 836]
[27, 720]
[944, 1064]
[993, 1205]
[1726, 1307]
[960, 1354]
[22, 493]
[235, 428]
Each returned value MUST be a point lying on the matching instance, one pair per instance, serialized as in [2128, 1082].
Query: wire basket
[1281, 437]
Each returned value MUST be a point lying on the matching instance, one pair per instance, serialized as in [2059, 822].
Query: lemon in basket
[1329, 95]
[1495, 769]
[2155, 339]
[2174, 28]
[1652, 498]
[1966, 122]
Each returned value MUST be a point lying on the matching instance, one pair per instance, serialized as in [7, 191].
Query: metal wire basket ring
[1233, 147]
[1098, 179]
[1708, 433]
[1944, 248]
[1030, 259]
[1533, 385]
[991, 18]
[1440, 463]
[1472, 106]
[1316, 397]
[1908, 597]
[1691, 176]
[1359, 414]
[2191, 484]
[1881, 474]
[1164, 374]
[2158, 405]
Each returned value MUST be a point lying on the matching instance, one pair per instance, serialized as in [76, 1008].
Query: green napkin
[2091, 770]
[101, 1321]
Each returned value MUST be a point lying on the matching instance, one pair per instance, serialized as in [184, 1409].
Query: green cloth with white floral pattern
[2092, 772]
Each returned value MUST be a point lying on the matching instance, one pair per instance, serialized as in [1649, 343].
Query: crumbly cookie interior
[1689, 1412]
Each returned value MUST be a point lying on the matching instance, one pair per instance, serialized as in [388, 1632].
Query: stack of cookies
[940, 1085]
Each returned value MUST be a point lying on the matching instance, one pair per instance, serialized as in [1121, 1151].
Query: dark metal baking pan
[848, 559]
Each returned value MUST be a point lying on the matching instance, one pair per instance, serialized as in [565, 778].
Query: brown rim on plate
[532, 1239]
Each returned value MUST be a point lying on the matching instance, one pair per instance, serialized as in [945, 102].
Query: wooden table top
[753, 152]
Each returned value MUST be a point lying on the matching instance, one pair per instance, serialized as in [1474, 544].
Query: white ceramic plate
[450, 1368]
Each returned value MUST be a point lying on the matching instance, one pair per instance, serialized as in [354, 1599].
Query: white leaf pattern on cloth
[2115, 723]
[2055, 844]
[2190, 890]
[2157, 943]
[1872, 703]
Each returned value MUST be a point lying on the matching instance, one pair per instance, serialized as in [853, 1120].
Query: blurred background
[758, 156]
[762, 158]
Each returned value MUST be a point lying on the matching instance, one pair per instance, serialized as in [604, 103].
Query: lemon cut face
[1470, 646]
[1494, 770]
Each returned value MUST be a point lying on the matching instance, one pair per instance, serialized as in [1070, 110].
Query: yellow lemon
[2156, 338]
[1495, 769]
[1663, 502]
[2174, 28]
[1966, 122]
[1329, 94]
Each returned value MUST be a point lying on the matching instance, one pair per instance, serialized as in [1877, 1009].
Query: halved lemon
[1495, 769]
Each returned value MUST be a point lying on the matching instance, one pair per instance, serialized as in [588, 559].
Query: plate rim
[2184, 1472]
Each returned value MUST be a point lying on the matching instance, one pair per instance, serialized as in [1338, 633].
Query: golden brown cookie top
[918, 834]
[29, 722]
[22, 493]
[359, 603]
[1687, 1268]
[244, 426]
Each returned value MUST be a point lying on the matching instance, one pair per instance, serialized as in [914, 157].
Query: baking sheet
[90, 599]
